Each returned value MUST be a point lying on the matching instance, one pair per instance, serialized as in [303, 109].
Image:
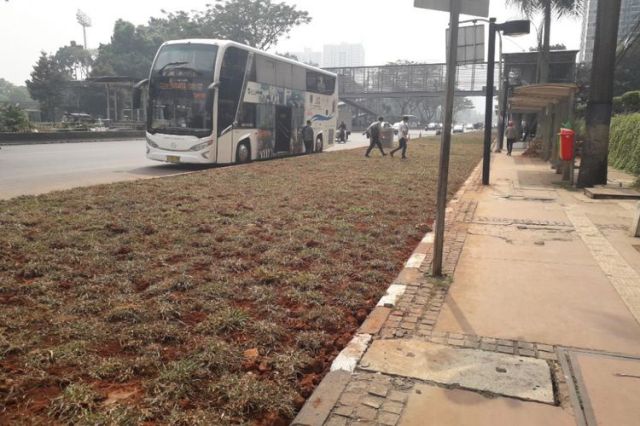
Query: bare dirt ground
[219, 297]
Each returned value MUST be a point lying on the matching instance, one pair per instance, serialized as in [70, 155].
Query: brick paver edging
[459, 213]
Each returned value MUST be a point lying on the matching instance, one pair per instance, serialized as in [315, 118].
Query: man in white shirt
[403, 136]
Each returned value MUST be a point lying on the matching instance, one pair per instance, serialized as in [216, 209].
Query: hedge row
[624, 143]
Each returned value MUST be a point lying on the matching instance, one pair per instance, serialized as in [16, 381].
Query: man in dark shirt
[374, 136]
[307, 137]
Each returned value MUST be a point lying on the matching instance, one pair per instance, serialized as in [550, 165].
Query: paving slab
[612, 193]
[429, 405]
[611, 387]
[552, 302]
[519, 377]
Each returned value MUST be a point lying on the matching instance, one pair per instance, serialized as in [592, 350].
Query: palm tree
[561, 8]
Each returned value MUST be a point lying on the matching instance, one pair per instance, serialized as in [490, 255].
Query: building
[310, 57]
[343, 55]
[629, 16]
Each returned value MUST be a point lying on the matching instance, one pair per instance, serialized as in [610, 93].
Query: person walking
[373, 132]
[512, 135]
[403, 137]
[307, 137]
[342, 132]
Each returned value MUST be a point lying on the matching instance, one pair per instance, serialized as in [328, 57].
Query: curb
[65, 141]
[314, 413]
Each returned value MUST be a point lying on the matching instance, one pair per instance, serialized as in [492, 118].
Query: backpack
[374, 130]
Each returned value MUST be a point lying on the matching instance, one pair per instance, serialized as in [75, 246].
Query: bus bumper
[178, 157]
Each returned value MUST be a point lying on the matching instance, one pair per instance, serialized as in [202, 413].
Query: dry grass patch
[212, 298]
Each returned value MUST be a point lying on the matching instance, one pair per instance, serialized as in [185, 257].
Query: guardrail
[66, 137]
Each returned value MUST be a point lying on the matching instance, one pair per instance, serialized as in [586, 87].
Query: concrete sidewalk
[537, 324]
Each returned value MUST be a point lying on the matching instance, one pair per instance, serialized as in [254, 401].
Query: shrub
[631, 101]
[624, 143]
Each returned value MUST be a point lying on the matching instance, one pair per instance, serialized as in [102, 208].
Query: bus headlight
[152, 143]
[201, 146]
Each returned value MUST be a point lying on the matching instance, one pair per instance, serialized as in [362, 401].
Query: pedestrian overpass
[408, 80]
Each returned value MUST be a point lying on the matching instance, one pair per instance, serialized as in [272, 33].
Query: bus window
[283, 75]
[298, 78]
[320, 83]
[265, 70]
[231, 83]
[247, 116]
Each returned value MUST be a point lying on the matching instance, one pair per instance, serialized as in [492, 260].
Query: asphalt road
[37, 169]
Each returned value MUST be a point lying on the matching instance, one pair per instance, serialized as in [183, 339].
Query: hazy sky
[389, 29]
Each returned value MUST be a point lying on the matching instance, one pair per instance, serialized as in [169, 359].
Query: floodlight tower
[84, 20]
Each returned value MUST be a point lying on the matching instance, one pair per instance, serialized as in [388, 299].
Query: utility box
[635, 226]
[567, 143]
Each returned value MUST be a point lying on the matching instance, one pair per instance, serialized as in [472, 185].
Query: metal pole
[501, 98]
[445, 145]
[488, 113]
[504, 96]
[84, 34]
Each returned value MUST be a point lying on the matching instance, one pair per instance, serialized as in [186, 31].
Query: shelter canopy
[535, 98]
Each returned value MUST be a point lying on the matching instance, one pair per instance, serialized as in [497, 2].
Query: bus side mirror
[137, 93]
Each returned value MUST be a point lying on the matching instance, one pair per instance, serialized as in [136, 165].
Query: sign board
[470, 44]
[467, 7]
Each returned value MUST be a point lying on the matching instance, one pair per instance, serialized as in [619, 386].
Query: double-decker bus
[218, 101]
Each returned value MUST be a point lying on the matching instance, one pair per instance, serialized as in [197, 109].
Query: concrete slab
[545, 302]
[612, 388]
[375, 321]
[522, 210]
[612, 193]
[429, 405]
[513, 243]
[519, 377]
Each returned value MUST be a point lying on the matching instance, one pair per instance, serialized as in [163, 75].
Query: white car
[458, 128]
[469, 128]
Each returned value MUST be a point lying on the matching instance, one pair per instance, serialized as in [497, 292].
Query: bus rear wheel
[319, 144]
[243, 152]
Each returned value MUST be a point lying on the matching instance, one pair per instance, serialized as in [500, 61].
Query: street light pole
[445, 146]
[488, 114]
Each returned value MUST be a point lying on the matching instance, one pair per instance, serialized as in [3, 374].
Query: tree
[561, 8]
[257, 23]
[129, 53]
[75, 60]
[13, 119]
[47, 85]
[595, 151]
[627, 75]
[15, 95]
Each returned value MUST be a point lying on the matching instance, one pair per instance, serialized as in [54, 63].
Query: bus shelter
[554, 105]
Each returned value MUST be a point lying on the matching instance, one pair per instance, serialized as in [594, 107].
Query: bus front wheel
[319, 144]
[243, 152]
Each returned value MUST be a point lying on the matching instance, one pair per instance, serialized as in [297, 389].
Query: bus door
[283, 129]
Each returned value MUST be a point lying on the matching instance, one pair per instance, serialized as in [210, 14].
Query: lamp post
[84, 21]
[510, 28]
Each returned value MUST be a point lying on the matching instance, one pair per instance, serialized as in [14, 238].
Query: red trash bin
[567, 142]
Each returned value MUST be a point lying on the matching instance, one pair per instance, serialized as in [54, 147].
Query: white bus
[217, 101]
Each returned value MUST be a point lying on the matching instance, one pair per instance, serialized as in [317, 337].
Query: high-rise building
[629, 16]
[343, 55]
[308, 56]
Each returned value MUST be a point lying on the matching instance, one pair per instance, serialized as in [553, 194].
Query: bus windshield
[179, 98]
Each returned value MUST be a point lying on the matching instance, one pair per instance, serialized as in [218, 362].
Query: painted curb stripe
[348, 358]
[394, 292]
